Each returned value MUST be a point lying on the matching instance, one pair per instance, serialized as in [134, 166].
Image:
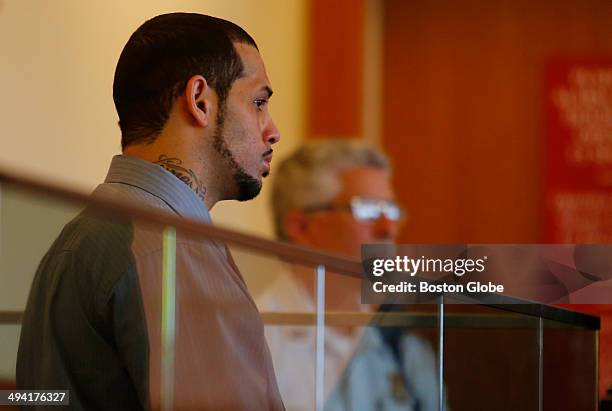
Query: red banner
[578, 149]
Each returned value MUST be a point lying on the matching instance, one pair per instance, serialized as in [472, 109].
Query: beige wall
[56, 70]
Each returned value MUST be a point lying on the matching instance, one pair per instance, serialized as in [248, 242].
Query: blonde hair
[308, 178]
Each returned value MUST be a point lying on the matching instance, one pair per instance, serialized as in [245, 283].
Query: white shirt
[293, 348]
[360, 369]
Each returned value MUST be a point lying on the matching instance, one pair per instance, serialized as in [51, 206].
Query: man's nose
[386, 229]
[271, 135]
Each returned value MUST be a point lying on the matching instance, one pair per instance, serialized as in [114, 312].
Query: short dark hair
[158, 60]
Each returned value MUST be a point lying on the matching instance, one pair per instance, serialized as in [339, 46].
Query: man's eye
[261, 102]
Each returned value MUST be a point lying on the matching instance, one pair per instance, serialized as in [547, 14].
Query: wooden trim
[11, 317]
[408, 319]
[335, 86]
[373, 32]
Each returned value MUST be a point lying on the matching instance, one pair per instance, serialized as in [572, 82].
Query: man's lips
[267, 157]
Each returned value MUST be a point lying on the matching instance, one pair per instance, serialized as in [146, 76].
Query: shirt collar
[158, 182]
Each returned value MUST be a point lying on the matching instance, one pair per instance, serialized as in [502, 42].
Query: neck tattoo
[187, 176]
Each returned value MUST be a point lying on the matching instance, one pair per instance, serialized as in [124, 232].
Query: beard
[248, 187]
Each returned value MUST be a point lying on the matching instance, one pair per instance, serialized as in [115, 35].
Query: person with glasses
[335, 195]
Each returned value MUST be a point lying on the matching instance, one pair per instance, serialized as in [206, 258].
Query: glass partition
[9, 335]
[174, 288]
[396, 364]
[569, 363]
[286, 296]
[491, 355]
[372, 357]
[29, 223]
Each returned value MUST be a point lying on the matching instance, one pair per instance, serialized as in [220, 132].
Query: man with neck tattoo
[192, 93]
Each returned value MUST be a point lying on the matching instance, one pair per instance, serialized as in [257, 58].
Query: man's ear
[198, 97]
[296, 227]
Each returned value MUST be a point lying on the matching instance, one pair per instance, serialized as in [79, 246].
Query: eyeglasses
[368, 209]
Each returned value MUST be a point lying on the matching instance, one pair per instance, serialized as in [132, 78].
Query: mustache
[267, 153]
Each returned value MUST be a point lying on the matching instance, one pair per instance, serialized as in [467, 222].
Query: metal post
[441, 406]
[541, 364]
[168, 318]
[320, 339]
